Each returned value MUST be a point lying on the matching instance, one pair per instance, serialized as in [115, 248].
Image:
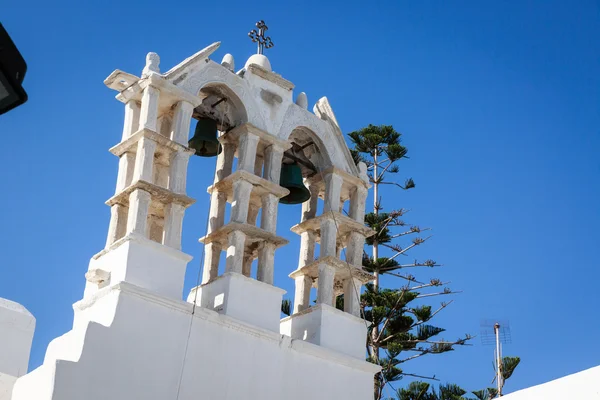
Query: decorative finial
[264, 42]
[152, 64]
[302, 100]
[228, 62]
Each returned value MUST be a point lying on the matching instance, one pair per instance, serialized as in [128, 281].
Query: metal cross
[264, 42]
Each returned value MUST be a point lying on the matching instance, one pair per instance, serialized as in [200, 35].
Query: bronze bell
[291, 179]
[205, 141]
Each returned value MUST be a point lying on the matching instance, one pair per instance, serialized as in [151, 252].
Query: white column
[164, 125]
[358, 201]
[180, 127]
[178, 171]
[307, 248]
[309, 207]
[173, 225]
[247, 151]
[225, 161]
[161, 175]
[333, 191]
[272, 169]
[241, 201]
[302, 295]
[352, 288]
[328, 238]
[258, 165]
[139, 205]
[125, 174]
[149, 108]
[247, 266]
[132, 119]
[216, 215]
[144, 160]
[155, 228]
[118, 224]
[235, 251]
[252, 213]
[354, 248]
[211, 262]
[325, 290]
[268, 218]
[266, 263]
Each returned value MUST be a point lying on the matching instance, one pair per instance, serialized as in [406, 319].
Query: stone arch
[297, 118]
[221, 103]
[215, 76]
[318, 152]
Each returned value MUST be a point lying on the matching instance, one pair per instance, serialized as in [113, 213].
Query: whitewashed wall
[16, 332]
[136, 350]
[584, 385]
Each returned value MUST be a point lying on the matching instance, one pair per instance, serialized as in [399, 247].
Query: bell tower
[133, 335]
[143, 246]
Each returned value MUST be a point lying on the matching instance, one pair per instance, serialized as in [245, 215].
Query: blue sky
[498, 103]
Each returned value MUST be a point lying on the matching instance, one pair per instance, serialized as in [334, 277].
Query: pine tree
[399, 330]
[418, 390]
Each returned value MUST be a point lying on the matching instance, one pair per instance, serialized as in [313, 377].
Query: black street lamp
[12, 73]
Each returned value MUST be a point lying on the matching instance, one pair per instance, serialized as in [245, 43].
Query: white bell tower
[134, 336]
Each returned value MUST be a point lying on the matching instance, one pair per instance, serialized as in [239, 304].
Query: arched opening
[222, 105]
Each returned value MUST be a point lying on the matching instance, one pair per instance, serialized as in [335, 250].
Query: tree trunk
[375, 331]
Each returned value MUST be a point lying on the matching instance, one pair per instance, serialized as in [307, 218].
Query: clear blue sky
[498, 102]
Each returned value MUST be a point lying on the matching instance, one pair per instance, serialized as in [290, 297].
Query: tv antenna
[496, 333]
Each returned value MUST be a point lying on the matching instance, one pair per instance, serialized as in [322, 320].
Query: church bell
[291, 179]
[205, 141]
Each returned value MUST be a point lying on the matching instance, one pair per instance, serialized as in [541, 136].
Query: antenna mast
[495, 332]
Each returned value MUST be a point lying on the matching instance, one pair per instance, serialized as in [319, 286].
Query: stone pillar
[125, 174]
[247, 265]
[161, 175]
[328, 237]
[358, 201]
[132, 119]
[149, 108]
[309, 208]
[235, 251]
[155, 228]
[354, 248]
[178, 171]
[302, 295]
[211, 262]
[258, 165]
[225, 161]
[307, 248]
[144, 160]
[216, 214]
[241, 201]
[173, 225]
[272, 169]
[325, 291]
[252, 213]
[180, 127]
[118, 224]
[139, 205]
[352, 288]
[333, 191]
[268, 221]
[266, 263]
[247, 151]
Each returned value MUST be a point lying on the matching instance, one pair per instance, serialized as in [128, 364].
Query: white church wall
[16, 333]
[141, 355]
[583, 385]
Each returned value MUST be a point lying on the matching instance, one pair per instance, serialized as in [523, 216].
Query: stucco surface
[141, 353]
[584, 385]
